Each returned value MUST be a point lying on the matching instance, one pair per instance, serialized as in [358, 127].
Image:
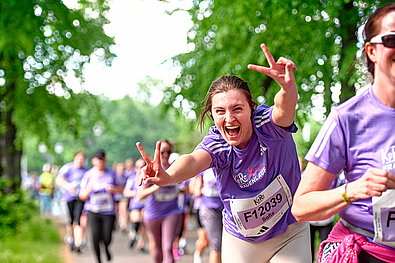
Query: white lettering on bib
[210, 188]
[257, 215]
[167, 193]
[384, 218]
[101, 202]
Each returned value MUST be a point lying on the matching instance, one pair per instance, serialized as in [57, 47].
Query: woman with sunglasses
[253, 156]
[358, 137]
[162, 215]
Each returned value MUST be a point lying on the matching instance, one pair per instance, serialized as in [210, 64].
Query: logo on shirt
[254, 174]
[388, 158]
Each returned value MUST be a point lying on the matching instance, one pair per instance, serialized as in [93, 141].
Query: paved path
[121, 253]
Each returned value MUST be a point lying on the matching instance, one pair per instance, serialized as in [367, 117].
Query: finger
[143, 153]
[157, 152]
[268, 55]
[289, 75]
[286, 61]
[260, 69]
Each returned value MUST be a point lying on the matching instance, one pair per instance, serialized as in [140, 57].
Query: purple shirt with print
[74, 176]
[210, 194]
[132, 184]
[245, 173]
[162, 203]
[358, 135]
[99, 181]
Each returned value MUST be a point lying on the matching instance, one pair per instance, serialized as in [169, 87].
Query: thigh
[154, 227]
[293, 246]
[170, 229]
[108, 226]
[212, 222]
[241, 251]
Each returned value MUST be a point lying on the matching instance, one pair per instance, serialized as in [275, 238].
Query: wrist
[344, 195]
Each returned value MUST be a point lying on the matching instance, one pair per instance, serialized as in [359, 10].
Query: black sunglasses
[168, 152]
[387, 39]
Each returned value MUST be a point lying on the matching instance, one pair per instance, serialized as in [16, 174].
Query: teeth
[232, 127]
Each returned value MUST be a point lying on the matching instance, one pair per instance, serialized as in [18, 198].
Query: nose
[229, 116]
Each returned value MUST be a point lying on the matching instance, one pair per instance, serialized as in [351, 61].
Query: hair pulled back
[372, 28]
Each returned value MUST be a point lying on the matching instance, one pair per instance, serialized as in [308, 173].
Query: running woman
[69, 178]
[98, 189]
[162, 215]
[210, 213]
[254, 159]
[358, 137]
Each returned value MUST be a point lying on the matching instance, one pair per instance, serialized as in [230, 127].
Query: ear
[371, 51]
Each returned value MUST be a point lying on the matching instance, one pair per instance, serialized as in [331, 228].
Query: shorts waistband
[356, 229]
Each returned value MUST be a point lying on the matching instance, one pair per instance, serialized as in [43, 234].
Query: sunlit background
[145, 36]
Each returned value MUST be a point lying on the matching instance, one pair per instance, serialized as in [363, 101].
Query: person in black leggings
[98, 187]
[69, 178]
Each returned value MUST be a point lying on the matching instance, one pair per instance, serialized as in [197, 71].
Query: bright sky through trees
[145, 36]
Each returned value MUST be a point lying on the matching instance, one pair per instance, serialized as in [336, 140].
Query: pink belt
[351, 245]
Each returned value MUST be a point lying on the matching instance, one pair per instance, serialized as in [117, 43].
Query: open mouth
[233, 130]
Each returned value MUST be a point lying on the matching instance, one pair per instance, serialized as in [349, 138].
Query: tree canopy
[43, 42]
[321, 37]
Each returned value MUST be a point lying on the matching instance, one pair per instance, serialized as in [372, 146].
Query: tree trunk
[12, 155]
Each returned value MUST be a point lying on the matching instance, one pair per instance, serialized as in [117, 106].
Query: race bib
[384, 218]
[101, 202]
[166, 193]
[257, 215]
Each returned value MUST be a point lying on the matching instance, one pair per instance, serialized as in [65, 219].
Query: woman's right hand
[373, 183]
[153, 173]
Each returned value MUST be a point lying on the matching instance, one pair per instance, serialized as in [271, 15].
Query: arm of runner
[185, 167]
[61, 181]
[84, 193]
[313, 200]
[286, 99]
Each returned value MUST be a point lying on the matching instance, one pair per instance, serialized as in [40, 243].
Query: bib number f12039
[257, 215]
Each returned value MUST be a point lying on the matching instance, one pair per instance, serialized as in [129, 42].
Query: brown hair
[224, 84]
[169, 143]
[372, 28]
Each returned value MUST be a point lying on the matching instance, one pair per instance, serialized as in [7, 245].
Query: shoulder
[213, 142]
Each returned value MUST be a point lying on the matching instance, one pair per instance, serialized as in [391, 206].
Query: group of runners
[252, 157]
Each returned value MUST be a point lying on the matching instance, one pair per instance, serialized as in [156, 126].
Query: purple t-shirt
[162, 203]
[132, 184]
[357, 135]
[210, 194]
[74, 176]
[99, 201]
[243, 174]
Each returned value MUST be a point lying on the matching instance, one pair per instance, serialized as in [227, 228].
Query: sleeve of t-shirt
[328, 150]
[129, 183]
[265, 126]
[216, 146]
[64, 170]
[84, 181]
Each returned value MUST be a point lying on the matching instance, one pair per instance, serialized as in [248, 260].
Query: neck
[384, 91]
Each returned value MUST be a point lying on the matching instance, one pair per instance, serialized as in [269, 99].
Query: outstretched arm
[185, 167]
[286, 99]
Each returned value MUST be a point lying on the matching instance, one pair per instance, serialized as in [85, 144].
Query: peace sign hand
[152, 173]
[280, 71]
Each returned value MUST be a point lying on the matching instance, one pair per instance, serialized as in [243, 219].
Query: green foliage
[319, 36]
[15, 208]
[130, 121]
[37, 240]
[24, 235]
[42, 43]
[127, 122]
